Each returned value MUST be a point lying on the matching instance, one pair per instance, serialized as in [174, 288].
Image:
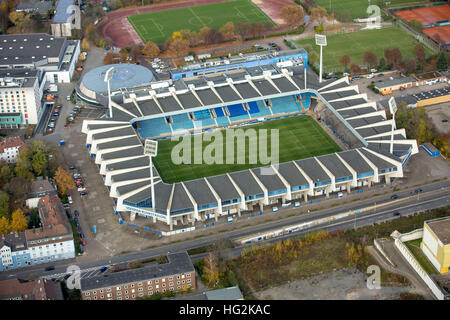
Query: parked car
[49, 268]
[72, 168]
[70, 199]
[83, 193]
[67, 276]
[76, 175]
[103, 269]
[78, 180]
[69, 215]
[76, 213]
[418, 190]
[396, 213]
[80, 189]
[75, 220]
[68, 98]
[83, 242]
[394, 196]
[444, 120]
[81, 234]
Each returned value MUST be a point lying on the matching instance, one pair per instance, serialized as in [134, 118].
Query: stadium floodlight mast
[108, 76]
[393, 110]
[321, 40]
[151, 149]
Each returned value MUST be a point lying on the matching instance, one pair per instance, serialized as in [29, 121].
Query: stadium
[281, 94]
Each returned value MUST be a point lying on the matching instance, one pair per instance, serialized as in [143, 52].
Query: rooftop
[41, 289]
[441, 228]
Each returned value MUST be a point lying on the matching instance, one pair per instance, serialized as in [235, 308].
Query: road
[433, 196]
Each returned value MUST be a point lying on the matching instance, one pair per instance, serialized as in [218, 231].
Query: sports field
[299, 137]
[159, 26]
[354, 45]
[358, 8]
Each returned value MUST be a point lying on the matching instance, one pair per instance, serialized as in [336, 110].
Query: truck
[53, 88]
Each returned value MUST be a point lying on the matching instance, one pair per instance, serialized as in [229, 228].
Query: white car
[370, 76]
[70, 199]
[275, 209]
[81, 189]
[297, 204]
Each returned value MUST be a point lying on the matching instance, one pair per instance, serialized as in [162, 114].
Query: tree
[293, 15]
[4, 225]
[355, 69]
[21, 20]
[227, 31]
[382, 63]
[84, 44]
[151, 49]
[5, 172]
[4, 204]
[63, 181]
[319, 13]
[241, 29]
[4, 17]
[213, 36]
[345, 61]
[188, 35]
[416, 24]
[442, 63]
[18, 221]
[34, 220]
[211, 269]
[201, 35]
[423, 132]
[17, 189]
[134, 52]
[419, 52]
[108, 58]
[178, 46]
[396, 57]
[410, 65]
[370, 59]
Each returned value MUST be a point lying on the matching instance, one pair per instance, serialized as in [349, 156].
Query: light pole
[321, 40]
[393, 109]
[151, 149]
[108, 76]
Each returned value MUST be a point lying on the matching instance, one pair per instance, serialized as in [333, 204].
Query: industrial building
[436, 243]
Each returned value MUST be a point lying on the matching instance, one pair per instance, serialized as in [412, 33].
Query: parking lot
[440, 116]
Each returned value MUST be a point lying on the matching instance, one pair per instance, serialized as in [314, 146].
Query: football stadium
[278, 95]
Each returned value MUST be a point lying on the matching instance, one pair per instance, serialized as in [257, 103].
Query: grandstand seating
[222, 121]
[205, 122]
[182, 122]
[219, 112]
[202, 114]
[237, 110]
[258, 109]
[285, 105]
[153, 127]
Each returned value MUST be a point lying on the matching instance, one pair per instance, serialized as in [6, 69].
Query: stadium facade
[235, 98]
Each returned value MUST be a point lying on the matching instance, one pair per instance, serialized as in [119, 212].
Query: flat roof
[441, 227]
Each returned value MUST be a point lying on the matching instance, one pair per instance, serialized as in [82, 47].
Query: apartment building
[41, 289]
[176, 275]
[10, 148]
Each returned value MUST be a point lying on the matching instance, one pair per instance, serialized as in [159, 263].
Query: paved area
[437, 114]
[346, 284]
[401, 267]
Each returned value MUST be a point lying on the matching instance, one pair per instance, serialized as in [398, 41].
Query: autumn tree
[211, 269]
[18, 221]
[84, 44]
[241, 29]
[151, 49]
[178, 46]
[370, 59]
[4, 17]
[63, 181]
[419, 52]
[213, 36]
[293, 15]
[319, 13]
[355, 69]
[21, 20]
[345, 61]
[201, 35]
[227, 31]
[410, 65]
[188, 35]
[108, 58]
[4, 225]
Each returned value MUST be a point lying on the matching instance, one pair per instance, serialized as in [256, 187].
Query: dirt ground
[438, 113]
[346, 284]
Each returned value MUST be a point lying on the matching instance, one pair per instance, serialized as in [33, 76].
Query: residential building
[10, 148]
[177, 274]
[51, 242]
[37, 189]
[67, 17]
[395, 84]
[436, 243]
[41, 289]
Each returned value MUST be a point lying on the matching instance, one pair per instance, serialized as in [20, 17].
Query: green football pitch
[352, 9]
[299, 137]
[355, 44]
[159, 26]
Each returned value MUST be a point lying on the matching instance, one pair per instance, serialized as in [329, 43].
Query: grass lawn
[414, 247]
[159, 26]
[299, 137]
[358, 8]
[355, 44]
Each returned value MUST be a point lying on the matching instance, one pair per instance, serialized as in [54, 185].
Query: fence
[418, 268]
[378, 246]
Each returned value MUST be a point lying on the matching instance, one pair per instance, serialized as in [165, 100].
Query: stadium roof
[356, 113]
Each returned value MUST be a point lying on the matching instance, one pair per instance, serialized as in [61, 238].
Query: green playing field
[352, 9]
[299, 137]
[159, 26]
[354, 45]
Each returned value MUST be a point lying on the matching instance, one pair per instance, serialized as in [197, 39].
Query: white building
[67, 18]
[10, 148]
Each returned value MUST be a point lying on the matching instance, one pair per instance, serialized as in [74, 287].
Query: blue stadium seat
[182, 122]
[219, 112]
[205, 123]
[153, 127]
[202, 114]
[285, 105]
[237, 110]
[222, 121]
[259, 107]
